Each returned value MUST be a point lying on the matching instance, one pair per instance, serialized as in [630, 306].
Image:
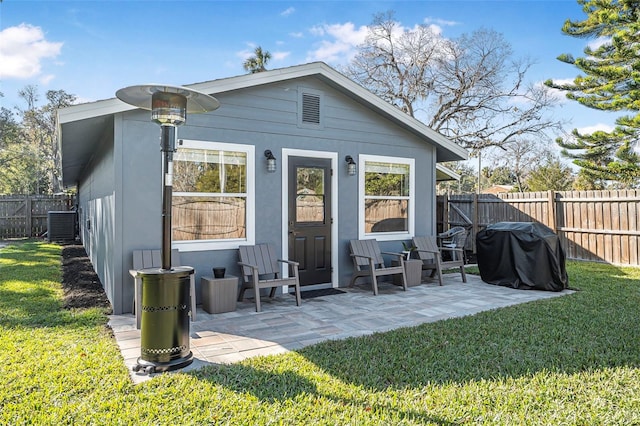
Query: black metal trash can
[164, 327]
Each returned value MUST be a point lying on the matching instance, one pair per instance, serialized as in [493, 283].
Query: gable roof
[78, 124]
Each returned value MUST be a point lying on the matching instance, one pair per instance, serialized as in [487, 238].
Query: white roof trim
[448, 172]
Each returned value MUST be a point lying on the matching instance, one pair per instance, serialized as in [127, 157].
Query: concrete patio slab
[282, 326]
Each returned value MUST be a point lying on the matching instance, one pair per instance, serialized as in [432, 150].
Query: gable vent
[310, 108]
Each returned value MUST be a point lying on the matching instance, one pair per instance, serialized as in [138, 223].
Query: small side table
[219, 294]
[412, 271]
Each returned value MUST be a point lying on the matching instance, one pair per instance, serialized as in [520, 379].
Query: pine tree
[611, 82]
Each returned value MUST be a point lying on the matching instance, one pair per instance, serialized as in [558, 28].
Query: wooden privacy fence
[592, 225]
[26, 215]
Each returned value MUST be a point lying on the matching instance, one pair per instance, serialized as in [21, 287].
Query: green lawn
[568, 360]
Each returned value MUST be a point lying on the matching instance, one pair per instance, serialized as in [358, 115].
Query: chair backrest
[369, 248]
[448, 237]
[429, 243]
[459, 239]
[261, 255]
[153, 258]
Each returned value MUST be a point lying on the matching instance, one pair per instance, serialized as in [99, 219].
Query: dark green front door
[309, 218]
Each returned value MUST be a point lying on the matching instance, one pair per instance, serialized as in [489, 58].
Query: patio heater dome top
[169, 105]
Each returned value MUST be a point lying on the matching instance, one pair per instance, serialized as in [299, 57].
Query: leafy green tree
[586, 182]
[29, 149]
[39, 126]
[551, 175]
[9, 127]
[466, 185]
[501, 175]
[611, 82]
[257, 62]
[15, 157]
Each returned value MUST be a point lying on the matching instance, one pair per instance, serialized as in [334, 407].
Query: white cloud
[317, 31]
[558, 95]
[287, 11]
[278, 56]
[597, 43]
[46, 79]
[340, 48]
[296, 35]
[244, 54]
[596, 127]
[22, 50]
[438, 23]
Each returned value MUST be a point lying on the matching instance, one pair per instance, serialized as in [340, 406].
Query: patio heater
[164, 326]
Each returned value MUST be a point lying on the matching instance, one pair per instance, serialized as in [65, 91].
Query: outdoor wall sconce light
[271, 161]
[351, 165]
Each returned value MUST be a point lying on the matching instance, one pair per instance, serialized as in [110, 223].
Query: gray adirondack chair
[368, 262]
[431, 256]
[261, 269]
[152, 259]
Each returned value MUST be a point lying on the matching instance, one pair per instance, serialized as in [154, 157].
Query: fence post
[475, 224]
[445, 212]
[28, 216]
[552, 209]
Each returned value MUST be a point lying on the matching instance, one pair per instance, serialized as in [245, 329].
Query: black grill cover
[524, 255]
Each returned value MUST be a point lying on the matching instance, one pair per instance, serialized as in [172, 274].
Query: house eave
[95, 115]
[444, 174]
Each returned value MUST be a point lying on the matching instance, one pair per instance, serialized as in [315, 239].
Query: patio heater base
[150, 367]
[164, 328]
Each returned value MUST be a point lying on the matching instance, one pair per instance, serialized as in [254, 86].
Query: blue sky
[93, 48]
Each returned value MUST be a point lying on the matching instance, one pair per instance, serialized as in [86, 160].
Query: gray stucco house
[311, 118]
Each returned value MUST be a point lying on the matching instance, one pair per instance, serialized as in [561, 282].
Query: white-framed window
[387, 197]
[213, 202]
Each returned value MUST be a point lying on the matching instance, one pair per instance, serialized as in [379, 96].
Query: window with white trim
[213, 195]
[387, 197]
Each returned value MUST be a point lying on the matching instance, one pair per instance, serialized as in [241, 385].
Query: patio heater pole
[164, 328]
[168, 148]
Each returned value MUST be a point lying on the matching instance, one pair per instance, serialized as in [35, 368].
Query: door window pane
[310, 197]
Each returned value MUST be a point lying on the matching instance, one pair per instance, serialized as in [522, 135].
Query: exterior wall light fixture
[351, 165]
[271, 161]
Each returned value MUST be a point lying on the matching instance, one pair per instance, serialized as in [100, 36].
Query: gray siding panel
[97, 216]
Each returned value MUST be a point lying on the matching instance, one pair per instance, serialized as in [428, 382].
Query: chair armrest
[390, 253]
[452, 249]
[293, 264]
[361, 255]
[290, 262]
[428, 251]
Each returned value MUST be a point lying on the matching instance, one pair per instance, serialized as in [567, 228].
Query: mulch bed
[81, 285]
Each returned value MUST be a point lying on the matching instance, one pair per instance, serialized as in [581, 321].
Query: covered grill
[524, 255]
